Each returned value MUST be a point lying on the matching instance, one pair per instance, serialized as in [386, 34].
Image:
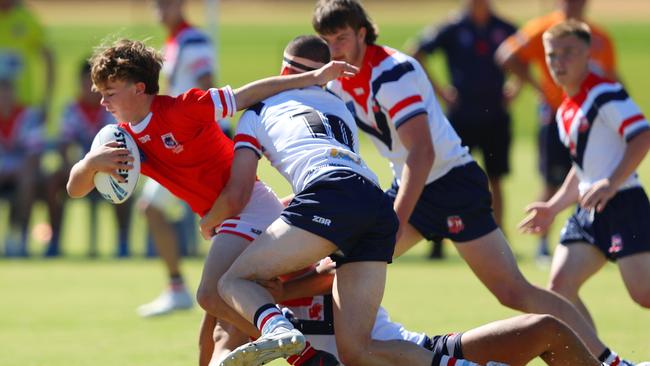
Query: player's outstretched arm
[541, 214]
[235, 194]
[107, 158]
[259, 90]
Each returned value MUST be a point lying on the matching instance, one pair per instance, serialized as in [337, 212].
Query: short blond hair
[569, 27]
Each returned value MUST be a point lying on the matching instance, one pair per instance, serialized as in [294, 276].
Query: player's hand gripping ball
[110, 188]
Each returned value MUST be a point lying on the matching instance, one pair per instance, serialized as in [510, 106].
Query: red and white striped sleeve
[398, 94]
[224, 102]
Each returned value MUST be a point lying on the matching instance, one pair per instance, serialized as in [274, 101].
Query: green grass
[75, 311]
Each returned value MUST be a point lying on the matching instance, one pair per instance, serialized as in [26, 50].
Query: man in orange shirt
[525, 48]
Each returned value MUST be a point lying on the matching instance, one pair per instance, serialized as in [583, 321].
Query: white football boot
[170, 300]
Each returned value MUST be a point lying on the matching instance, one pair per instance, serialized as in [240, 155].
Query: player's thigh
[635, 270]
[409, 237]
[514, 341]
[224, 249]
[573, 264]
[492, 260]
[358, 290]
[281, 249]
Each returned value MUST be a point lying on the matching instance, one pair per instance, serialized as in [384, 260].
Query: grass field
[75, 311]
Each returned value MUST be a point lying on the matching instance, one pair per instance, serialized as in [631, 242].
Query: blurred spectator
[525, 48]
[476, 100]
[81, 120]
[23, 49]
[189, 59]
[21, 144]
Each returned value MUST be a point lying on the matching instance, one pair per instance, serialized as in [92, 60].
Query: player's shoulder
[504, 23]
[192, 36]
[256, 109]
[536, 27]
[386, 58]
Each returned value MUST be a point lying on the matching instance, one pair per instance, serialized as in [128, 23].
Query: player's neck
[480, 15]
[174, 25]
[571, 89]
[358, 61]
[142, 111]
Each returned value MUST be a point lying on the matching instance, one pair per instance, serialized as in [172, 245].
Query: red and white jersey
[21, 135]
[188, 55]
[595, 125]
[391, 88]
[304, 133]
[81, 122]
[183, 148]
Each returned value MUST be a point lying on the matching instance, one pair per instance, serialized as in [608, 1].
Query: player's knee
[210, 301]
[349, 355]
[513, 295]
[225, 285]
[545, 323]
[563, 285]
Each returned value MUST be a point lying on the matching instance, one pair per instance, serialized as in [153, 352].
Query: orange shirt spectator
[527, 46]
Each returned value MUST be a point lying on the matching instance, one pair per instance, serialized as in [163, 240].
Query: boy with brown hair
[184, 148]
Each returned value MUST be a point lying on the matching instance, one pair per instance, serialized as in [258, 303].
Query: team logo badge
[617, 244]
[170, 142]
[455, 224]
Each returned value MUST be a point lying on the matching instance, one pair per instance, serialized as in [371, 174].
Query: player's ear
[140, 88]
[361, 34]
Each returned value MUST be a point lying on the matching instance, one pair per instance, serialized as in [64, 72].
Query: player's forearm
[567, 195]
[413, 179]
[230, 203]
[309, 286]
[520, 70]
[237, 192]
[80, 182]
[636, 150]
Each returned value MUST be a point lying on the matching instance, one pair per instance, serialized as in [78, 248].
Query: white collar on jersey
[138, 128]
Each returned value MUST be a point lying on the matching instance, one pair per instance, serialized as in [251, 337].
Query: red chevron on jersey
[359, 85]
[596, 125]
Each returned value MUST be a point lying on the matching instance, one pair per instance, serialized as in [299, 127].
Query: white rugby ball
[112, 190]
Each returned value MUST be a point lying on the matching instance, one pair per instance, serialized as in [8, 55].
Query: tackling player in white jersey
[607, 137]
[438, 189]
[338, 207]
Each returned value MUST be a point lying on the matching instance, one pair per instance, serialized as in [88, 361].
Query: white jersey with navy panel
[391, 88]
[304, 133]
[595, 125]
[188, 55]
